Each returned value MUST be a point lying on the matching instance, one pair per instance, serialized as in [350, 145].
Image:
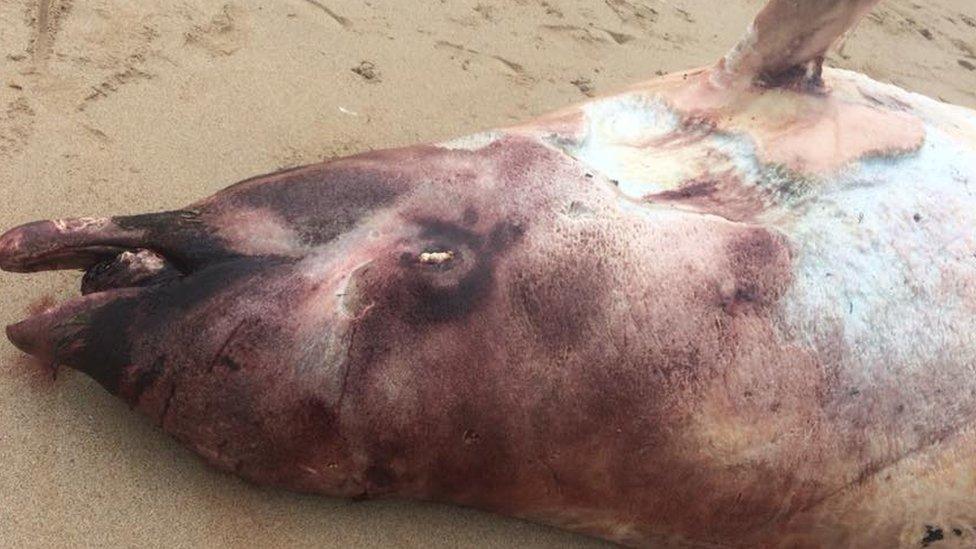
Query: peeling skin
[812, 134]
[683, 315]
[809, 133]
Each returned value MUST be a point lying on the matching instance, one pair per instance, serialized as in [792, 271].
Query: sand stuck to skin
[125, 106]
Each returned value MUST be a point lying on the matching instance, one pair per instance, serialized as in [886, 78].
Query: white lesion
[646, 147]
[662, 134]
[615, 142]
[79, 224]
[886, 272]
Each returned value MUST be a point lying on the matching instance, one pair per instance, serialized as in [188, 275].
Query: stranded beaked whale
[734, 306]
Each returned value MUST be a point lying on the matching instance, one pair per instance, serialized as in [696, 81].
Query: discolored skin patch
[723, 194]
[681, 316]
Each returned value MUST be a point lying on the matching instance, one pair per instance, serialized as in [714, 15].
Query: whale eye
[437, 257]
[439, 260]
[444, 274]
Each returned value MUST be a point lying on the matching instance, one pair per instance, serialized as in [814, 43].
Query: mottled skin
[506, 323]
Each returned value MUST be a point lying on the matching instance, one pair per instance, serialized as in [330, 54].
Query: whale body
[732, 306]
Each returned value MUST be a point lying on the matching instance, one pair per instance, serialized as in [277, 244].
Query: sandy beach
[128, 106]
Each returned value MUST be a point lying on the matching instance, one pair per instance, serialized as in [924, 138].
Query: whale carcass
[733, 306]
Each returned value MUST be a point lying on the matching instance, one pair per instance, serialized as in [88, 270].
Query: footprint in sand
[16, 126]
[45, 21]
[124, 69]
[588, 35]
[467, 56]
[368, 71]
[633, 13]
[584, 85]
[224, 34]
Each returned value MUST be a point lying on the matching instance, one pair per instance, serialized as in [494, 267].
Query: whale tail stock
[786, 43]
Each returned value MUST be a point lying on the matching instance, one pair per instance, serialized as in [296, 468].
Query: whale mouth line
[109, 272]
[68, 257]
[104, 266]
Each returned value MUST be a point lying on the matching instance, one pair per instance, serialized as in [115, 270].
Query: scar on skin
[436, 258]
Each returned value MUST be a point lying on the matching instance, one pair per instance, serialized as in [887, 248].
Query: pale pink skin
[701, 312]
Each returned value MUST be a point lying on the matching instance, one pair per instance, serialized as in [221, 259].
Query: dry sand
[125, 106]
